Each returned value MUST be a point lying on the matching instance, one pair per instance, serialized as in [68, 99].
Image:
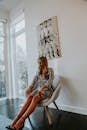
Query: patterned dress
[43, 80]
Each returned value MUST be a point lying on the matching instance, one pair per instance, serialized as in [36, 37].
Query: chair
[48, 101]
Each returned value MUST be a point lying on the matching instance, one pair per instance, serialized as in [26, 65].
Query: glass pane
[19, 26]
[1, 39]
[21, 65]
[1, 51]
[21, 43]
[1, 28]
[2, 81]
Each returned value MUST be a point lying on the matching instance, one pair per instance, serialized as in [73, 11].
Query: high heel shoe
[13, 122]
[10, 127]
[13, 128]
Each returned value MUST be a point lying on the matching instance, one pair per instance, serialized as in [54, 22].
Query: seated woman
[39, 90]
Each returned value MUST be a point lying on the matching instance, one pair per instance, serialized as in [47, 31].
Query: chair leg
[48, 115]
[56, 105]
[30, 122]
[29, 119]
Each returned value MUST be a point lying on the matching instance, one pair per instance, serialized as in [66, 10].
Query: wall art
[48, 38]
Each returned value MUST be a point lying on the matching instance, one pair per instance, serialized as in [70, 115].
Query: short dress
[41, 80]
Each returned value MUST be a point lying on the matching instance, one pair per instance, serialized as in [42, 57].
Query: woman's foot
[20, 124]
[10, 127]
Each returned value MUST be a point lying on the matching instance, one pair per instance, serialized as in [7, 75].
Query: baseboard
[78, 110]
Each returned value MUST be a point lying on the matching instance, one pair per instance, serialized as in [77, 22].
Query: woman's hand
[42, 88]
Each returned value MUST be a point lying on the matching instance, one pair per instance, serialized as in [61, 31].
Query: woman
[40, 89]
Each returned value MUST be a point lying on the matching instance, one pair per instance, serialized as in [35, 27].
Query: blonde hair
[44, 62]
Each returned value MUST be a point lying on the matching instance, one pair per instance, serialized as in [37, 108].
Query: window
[21, 75]
[2, 61]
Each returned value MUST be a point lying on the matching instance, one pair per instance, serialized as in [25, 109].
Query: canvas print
[48, 38]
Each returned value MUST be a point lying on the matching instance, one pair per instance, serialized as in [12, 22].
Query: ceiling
[8, 4]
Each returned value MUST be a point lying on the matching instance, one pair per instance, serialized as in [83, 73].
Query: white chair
[45, 103]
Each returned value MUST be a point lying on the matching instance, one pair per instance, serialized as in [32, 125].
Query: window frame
[14, 35]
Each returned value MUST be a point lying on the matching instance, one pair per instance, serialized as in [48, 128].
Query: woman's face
[41, 65]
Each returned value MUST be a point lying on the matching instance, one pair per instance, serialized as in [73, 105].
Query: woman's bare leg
[30, 109]
[23, 109]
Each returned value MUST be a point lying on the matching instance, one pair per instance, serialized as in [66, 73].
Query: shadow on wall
[68, 91]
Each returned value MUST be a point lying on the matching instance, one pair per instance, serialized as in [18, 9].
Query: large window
[2, 60]
[21, 75]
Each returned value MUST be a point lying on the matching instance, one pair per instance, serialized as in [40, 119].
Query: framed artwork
[48, 38]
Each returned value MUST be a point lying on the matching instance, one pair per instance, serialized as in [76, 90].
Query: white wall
[3, 14]
[72, 67]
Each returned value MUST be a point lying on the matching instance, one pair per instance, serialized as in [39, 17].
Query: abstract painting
[48, 38]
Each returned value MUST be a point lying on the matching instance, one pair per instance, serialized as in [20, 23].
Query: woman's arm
[30, 88]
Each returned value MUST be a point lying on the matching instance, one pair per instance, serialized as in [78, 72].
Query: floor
[38, 119]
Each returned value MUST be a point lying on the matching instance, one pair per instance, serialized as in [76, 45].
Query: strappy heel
[10, 128]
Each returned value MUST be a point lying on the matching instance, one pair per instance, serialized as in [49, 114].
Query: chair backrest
[54, 96]
[56, 80]
[56, 92]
